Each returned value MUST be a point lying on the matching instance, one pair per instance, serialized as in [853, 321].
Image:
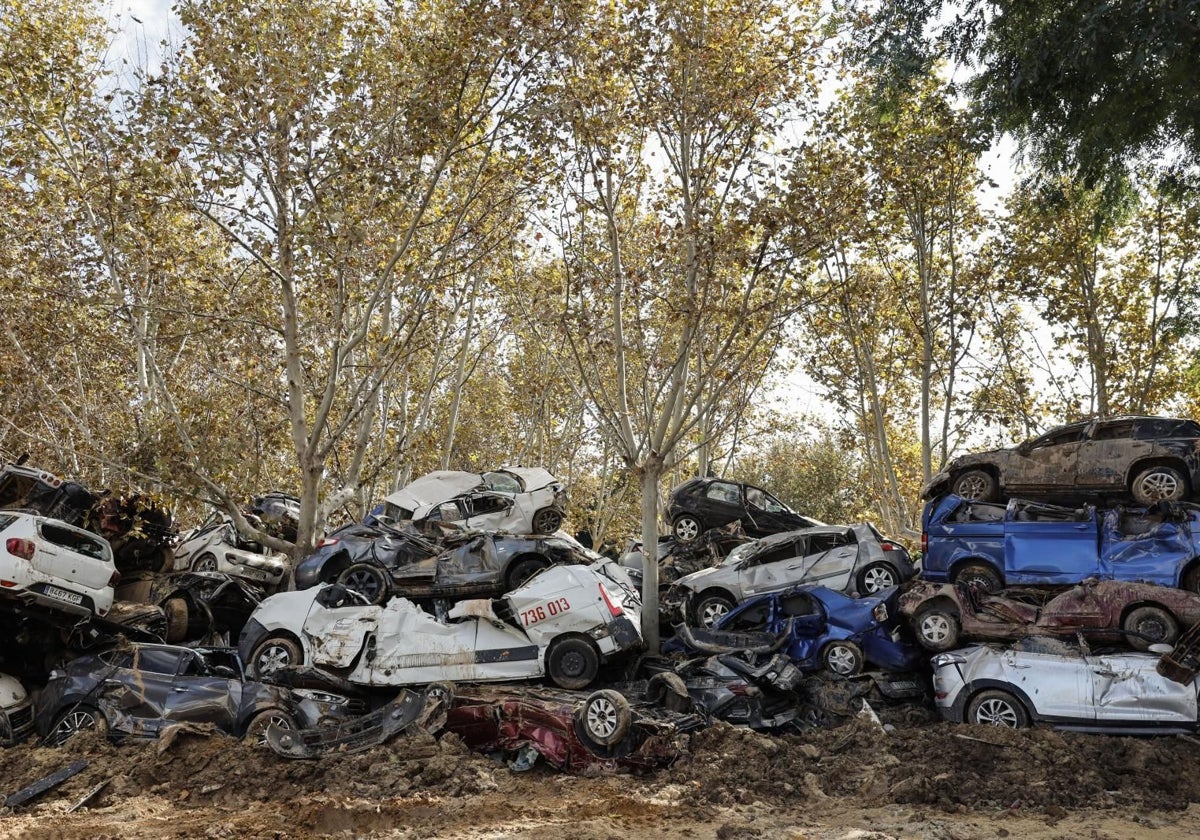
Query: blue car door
[809, 627]
[1043, 546]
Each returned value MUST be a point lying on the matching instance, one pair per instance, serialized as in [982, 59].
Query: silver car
[855, 559]
[520, 500]
[216, 546]
[1063, 684]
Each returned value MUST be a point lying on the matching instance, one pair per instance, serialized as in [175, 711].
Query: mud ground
[931, 780]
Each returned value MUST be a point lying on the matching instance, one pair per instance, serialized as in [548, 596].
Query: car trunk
[72, 555]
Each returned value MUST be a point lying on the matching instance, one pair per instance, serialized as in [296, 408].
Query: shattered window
[118, 658]
[7, 519]
[721, 491]
[827, 542]
[74, 540]
[158, 661]
[1165, 427]
[502, 482]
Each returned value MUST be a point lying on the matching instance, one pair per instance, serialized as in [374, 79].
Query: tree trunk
[651, 473]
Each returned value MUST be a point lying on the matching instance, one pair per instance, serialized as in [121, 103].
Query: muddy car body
[1056, 682]
[564, 622]
[1141, 614]
[519, 500]
[16, 711]
[703, 503]
[1149, 459]
[1027, 542]
[851, 558]
[216, 546]
[208, 607]
[139, 690]
[381, 562]
[50, 566]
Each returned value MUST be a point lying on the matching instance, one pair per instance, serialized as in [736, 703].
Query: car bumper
[16, 723]
[37, 595]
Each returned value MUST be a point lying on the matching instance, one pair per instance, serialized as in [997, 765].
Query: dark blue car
[813, 626]
[1023, 542]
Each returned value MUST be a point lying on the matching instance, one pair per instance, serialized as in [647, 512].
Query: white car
[52, 565]
[16, 711]
[519, 500]
[564, 622]
[216, 546]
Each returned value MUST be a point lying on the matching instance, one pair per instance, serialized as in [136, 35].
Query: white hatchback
[49, 564]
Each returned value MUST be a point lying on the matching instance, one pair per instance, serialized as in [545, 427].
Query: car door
[200, 696]
[1058, 685]
[1050, 545]
[1103, 458]
[141, 688]
[336, 629]
[808, 625]
[773, 569]
[721, 503]
[1126, 687]
[766, 514]
[1046, 463]
[410, 647]
[489, 511]
[829, 560]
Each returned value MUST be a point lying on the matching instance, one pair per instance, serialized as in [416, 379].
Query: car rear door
[72, 555]
[142, 691]
[199, 696]
[1102, 459]
[1126, 687]
[1046, 463]
[829, 560]
[1058, 685]
[775, 568]
[1043, 545]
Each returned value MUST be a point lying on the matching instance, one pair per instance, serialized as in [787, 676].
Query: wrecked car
[406, 713]
[16, 711]
[49, 565]
[571, 732]
[742, 688]
[1028, 542]
[1062, 683]
[142, 689]
[1141, 614]
[677, 559]
[565, 622]
[519, 500]
[855, 559]
[208, 607]
[1148, 459]
[278, 513]
[31, 489]
[702, 503]
[217, 546]
[815, 627]
[383, 561]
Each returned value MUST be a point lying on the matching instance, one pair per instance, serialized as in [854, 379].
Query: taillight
[739, 688]
[613, 606]
[887, 546]
[924, 542]
[20, 548]
[324, 541]
[115, 579]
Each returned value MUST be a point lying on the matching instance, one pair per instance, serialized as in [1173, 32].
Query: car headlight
[880, 612]
[318, 696]
[944, 659]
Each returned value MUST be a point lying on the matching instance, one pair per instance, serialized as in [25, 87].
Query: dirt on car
[854, 780]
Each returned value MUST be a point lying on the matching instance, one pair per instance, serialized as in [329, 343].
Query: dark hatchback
[703, 503]
[380, 561]
[1150, 459]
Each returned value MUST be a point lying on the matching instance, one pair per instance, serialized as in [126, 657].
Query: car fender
[972, 688]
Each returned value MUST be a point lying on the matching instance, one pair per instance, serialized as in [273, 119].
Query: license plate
[64, 595]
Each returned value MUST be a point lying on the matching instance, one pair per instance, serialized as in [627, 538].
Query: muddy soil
[931, 781]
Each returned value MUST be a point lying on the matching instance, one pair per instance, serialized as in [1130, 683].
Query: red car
[944, 614]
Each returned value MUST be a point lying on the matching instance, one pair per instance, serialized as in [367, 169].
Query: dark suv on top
[703, 503]
[1151, 459]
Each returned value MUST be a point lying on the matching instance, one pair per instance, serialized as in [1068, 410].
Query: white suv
[53, 565]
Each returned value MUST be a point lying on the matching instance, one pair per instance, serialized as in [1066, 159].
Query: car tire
[976, 484]
[937, 629]
[687, 528]
[842, 659]
[442, 692]
[367, 580]
[1149, 625]
[256, 729]
[1158, 484]
[546, 521]
[670, 691]
[76, 719]
[1191, 580]
[572, 663]
[604, 719]
[522, 569]
[709, 608]
[272, 654]
[997, 708]
[877, 577]
[980, 575]
[176, 611]
[206, 562]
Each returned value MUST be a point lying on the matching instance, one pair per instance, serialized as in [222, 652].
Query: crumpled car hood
[439, 486]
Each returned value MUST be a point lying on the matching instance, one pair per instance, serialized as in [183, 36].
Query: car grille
[17, 724]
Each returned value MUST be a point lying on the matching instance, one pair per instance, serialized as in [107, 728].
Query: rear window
[80, 543]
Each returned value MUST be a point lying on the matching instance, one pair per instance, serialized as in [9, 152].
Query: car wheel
[1149, 625]
[206, 562]
[522, 570]
[1158, 484]
[256, 730]
[976, 484]
[937, 629]
[1191, 579]
[274, 654]
[979, 575]
[546, 521]
[176, 610]
[670, 691]
[572, 663]
[76, 719]
[842, 659]
[711, 608]
[876, 578]
[997, 708]
[604, 718]
[687, 528]
[367, 580]
[441, 692]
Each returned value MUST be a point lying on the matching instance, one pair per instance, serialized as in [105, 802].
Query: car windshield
[741, 552]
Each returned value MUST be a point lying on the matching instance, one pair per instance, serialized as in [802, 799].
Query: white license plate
[64, 595]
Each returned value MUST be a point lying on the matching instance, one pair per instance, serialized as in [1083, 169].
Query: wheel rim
[365, 582]
[1159, 486]
[687, 529]
[1153, 628]
[547, 522]
[972, 487]
[279, 720]
[208, 563]
[841, 660]
[935, 629]
[572, 664]
[437, 693]
[996, 712]
[73, 722]
[273, 658]
[876, 580]
[601, 718]
[712, 612]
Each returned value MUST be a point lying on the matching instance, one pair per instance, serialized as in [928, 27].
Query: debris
[89, 796]
[44, 784]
